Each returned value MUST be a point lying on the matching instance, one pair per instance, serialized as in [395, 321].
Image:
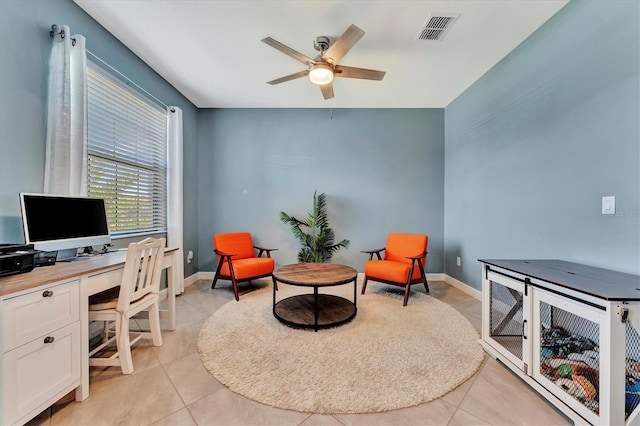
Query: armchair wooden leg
[424, 277]
[234, 284]
[215, 277]
[364, 284]
[407, 289]
[235, 289]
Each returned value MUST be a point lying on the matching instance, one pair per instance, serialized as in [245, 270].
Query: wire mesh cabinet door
[505, 318]
[566, 356]
[630, 312]
[583, 354]
[586, 351]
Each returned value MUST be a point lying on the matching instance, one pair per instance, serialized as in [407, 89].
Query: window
[127, 154]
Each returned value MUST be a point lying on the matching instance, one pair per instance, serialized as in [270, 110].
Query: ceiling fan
[324, 67]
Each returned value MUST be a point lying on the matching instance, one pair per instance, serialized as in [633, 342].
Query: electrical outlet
[189, 256]
[458, 262]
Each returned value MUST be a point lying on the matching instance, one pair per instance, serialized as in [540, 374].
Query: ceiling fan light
[321, 74]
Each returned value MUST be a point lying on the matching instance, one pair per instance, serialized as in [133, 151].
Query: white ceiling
[211, 50]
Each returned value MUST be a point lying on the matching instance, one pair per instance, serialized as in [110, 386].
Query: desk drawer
[35, 314]
[96, 283]
[35, 374]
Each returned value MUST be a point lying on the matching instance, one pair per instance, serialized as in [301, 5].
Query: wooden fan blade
[289, 77]
[353, 72]
[343, 44]
[288, 51]
[327, 90]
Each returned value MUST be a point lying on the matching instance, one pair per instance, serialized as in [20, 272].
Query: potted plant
[314, 233]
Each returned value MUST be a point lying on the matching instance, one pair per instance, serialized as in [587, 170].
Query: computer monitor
[57, 223]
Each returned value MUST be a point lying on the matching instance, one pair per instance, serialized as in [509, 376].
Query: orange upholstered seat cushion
[250, 267]
[387, 270]
[238, 243]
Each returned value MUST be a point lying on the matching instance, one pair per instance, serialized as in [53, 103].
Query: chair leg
[235, 288]
[154, 324]
[105, 331]
[407, 289]
[234, 284]
[364, 284]
[215, 276]
[424, 276]
[123, 343]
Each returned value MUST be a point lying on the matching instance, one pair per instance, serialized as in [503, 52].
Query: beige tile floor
[171, 387]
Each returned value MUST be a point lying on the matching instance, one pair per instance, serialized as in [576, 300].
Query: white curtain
[175, 198]
[66, 150]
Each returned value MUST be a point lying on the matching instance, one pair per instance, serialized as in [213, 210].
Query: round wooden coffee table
[315, 310]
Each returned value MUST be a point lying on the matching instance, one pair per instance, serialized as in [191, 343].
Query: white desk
[28, 314]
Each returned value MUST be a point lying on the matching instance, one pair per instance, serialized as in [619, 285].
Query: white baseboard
[191, 279]
[477, 294]
[204, 276]
[439, 276]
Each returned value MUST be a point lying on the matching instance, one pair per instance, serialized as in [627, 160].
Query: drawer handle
[47, 293]
[49, 339]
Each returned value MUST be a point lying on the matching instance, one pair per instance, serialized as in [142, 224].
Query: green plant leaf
[314, 233]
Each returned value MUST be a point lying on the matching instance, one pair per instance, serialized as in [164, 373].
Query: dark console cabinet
[571, 331]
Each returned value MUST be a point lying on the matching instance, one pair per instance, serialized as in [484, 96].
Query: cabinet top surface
[597, 282]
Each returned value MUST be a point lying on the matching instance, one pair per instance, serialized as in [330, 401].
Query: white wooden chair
[139, 291]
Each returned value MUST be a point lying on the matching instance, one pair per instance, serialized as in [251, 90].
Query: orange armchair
[237, 261]
[405, 259]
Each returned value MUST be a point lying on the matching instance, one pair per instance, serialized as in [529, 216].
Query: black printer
[17, 258]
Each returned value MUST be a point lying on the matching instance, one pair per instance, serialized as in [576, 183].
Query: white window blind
[127, 154]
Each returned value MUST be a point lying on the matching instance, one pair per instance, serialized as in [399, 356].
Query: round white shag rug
[387, 357]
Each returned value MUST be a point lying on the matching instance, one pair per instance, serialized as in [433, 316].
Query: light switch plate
[609, 204]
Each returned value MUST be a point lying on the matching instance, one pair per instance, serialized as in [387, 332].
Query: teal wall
[382, 171]
[25, 47]
[531, 148]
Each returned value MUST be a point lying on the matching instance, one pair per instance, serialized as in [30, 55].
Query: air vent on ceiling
[437, 26]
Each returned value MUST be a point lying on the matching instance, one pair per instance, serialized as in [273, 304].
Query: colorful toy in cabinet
[567, 368]
[631, 394]
[578, 387]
